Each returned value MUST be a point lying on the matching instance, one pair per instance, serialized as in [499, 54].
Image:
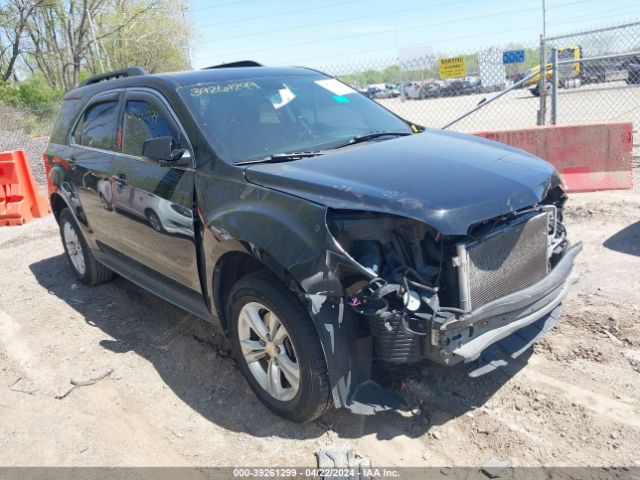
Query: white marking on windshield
[335, 87]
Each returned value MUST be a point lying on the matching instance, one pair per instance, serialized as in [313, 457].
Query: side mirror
[160, 149]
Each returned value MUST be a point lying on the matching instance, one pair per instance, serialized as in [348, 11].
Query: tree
[14, 17]
[65, 40]
[60, 39]
[150, 34]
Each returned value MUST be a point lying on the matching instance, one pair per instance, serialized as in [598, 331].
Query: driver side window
[144, 120]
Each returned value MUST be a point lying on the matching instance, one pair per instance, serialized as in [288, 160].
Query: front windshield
[253, 118]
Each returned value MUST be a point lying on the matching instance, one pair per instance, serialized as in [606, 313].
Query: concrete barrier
[589, 157]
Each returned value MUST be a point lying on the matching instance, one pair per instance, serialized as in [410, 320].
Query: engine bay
[409, 280]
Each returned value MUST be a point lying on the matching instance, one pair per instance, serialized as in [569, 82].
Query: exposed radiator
[507, 260]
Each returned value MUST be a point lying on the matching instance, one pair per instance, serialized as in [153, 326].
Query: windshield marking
[335, 87]
[218, 88]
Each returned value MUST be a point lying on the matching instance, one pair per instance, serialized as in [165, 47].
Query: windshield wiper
[369, 136]
[280, 157]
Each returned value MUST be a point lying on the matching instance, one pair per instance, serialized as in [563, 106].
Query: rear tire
[84, 265]
[260, 299]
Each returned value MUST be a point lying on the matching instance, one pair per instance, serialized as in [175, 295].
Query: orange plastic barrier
[589, 157]
[19, 198]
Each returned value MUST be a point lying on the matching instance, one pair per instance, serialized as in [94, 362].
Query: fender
[289, 237]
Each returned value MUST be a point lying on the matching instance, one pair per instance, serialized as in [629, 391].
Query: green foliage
[32, 105]
[33, 95]
[149, 34]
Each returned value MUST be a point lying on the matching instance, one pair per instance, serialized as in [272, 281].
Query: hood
[447, 180]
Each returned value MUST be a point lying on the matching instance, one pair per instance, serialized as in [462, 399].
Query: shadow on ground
[191, 357]
[626, 240]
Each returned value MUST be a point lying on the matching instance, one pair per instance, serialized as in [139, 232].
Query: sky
[331, 33]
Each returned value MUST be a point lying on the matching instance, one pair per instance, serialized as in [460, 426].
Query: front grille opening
[509, 259]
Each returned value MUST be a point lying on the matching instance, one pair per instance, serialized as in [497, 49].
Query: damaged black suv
[318, 229]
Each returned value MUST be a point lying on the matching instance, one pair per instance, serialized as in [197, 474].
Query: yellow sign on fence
[452, 67]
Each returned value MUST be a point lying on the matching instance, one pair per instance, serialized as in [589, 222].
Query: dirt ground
[174, 397]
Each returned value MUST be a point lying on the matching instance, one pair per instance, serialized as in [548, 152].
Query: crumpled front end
[480, 298]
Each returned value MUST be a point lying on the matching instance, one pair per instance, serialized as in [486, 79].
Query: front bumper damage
[412, 293]
[506, 327]
[484, 340]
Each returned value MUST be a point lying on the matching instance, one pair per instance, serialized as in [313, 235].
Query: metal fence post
[554, 86]
[542, 88]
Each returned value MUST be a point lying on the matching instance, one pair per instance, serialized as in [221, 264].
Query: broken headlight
[400, 264]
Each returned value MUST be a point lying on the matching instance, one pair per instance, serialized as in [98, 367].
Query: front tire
[277, 348]
[84, 265]
[154, 221]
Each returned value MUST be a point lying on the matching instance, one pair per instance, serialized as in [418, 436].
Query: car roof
[193, 77]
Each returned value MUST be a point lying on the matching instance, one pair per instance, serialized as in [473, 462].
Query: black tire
[154, 221]
[105, 204]
[313, 396]
[94, 272]
[535, 91]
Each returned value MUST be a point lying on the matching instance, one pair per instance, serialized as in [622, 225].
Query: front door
[154, 205]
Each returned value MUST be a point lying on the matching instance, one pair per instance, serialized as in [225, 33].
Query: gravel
[34, 147]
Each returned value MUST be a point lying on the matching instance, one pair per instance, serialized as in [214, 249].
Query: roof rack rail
[122, 73]
[241, 63]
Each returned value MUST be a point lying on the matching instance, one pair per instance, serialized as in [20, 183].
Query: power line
[562, 22]
[271, 15]
[345, 37]
[208, 7]
[333, 22]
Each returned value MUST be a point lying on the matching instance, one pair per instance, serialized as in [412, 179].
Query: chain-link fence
[597, 74]
[598, 78]
[414, 88]
[27, 129]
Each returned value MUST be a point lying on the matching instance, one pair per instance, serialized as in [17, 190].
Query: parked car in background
[460, 87]
[390, 91]
[632, 66]
[431, 89]
[317, 229]
[412, 91]
[633, 77]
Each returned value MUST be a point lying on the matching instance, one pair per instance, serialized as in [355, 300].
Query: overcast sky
[334, 32]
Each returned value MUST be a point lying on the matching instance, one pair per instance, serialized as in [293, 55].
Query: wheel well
[57, 205]
[231, 268]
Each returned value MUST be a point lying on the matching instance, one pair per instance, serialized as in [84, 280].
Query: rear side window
[144, 120]
[64, 123]
[97, 126]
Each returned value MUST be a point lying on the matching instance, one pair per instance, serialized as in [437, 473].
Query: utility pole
[96, 47]
[544, 18]
[184, 20]
[542, 87]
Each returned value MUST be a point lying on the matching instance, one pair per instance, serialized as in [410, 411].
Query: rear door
[154, 205]
[91, 157]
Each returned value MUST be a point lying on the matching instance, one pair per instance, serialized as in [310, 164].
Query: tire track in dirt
[607, 408]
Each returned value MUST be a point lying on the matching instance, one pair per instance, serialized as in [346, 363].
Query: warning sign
[452, 67]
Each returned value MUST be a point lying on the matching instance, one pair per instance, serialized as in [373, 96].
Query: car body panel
[449, 181]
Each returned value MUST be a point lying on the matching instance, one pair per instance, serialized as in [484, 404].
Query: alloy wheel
[268, 351]
[74, 248]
